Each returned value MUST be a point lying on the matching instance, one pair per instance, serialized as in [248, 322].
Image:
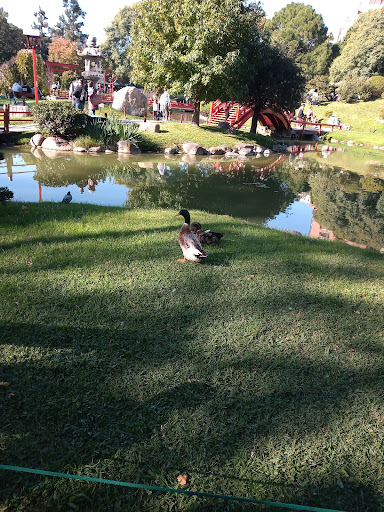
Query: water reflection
[299, 191]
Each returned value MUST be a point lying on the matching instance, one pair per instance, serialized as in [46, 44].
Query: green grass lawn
[258, 373]
[363, 117]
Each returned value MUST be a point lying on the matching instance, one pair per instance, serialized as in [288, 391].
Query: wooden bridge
[236, 115]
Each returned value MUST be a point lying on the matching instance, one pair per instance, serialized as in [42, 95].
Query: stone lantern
[92, 61]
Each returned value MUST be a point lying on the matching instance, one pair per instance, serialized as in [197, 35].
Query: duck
[189, 242]
[67, 198]
[207, 236]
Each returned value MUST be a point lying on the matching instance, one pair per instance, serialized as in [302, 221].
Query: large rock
[129, 148]
[191, 148]
[56, 144]
[244, 145]
[37, 140]
[132, 99]
[217, 151]
[149, 127]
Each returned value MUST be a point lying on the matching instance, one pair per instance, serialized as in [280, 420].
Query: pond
[322, 192]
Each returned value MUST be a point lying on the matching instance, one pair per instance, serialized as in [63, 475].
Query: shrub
[377, 83]
[5, 194]
[59, 118]
[86, 141]
[355, 88]
[110, 130]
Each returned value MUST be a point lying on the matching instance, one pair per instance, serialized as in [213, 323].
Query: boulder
[225, 148]
[259, 149]
[149, 127]
[127, 147]
[79, 149]
[37, 140]
[244, 145]
[216, 151]
[191, 148]
[246, 152]
[95, 149]
[170, 151]
[56, 144]
[132, 99]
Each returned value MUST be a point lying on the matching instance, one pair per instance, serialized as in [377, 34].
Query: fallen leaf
[11, 395]
[357, 312]
[182, 479]
[25, 208]
[4, 384]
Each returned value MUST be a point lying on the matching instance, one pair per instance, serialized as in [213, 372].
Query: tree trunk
[255, 117]
[196, 109]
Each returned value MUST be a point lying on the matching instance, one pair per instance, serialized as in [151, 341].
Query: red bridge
[236, 115]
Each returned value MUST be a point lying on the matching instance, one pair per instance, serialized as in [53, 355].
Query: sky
[21, 12]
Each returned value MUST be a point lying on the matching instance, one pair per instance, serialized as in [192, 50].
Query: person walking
[94, 99]
[155, 109]
[165, 103]
[79, 94]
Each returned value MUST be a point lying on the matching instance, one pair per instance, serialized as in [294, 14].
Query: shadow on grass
[158, 373]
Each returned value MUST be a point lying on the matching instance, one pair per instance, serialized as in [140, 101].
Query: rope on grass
[165, 489]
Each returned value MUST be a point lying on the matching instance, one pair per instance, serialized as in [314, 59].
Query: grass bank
[364, 119]
[257, 373]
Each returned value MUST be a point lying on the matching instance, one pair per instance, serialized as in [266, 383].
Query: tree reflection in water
[348, 205]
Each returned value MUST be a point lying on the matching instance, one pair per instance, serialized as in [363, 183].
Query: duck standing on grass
[207, 236]
[67, 198]
[189, 243]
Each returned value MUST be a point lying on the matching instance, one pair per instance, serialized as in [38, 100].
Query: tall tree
[68, 25]
[189, 46]
[362, 50]
[117, 43]
[11, 38]
[64, 51]
[41, 24]
[299, 32]
[272, 80]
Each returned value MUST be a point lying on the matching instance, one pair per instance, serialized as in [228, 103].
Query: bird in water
[189, 242]
[67, 198]
[207, 236]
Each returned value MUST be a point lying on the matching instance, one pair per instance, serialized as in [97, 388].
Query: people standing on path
[310, 114]
[155, 108]
[78, 93]
[94, 99]
[165, 103]
[11, 96]
[300, 113]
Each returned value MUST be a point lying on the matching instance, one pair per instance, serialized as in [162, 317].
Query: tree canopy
[41, 24]
[63, 50]
[117, 43]
[272, 80]
[11, 38]
[190, 46]
[362, 50]
[68, 25]
[299, 32]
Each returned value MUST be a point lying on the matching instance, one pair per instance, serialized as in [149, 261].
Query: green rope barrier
[164, 489]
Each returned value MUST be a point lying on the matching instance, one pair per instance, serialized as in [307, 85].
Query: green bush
[355, 88]
[377, 83]
[86, 141]
[59, 118]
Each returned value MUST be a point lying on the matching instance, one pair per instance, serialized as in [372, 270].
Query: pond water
[326, 193]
